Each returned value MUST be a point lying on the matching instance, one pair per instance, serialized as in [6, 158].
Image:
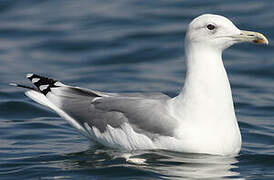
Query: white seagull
[201, 119]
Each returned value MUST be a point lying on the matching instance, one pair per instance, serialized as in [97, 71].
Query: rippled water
[125, 46]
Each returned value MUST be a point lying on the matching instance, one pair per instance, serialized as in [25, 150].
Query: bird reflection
[195, 166]
[159, 164]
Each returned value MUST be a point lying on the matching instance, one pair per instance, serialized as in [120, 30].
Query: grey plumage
[114, 110]
[146, 113]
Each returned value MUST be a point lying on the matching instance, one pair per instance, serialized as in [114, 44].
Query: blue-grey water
[125, 46]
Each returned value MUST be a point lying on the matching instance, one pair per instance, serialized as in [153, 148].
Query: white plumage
[201, 119]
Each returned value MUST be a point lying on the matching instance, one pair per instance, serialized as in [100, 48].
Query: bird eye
[210, 27]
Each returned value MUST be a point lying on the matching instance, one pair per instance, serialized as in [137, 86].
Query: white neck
[204, 108]
[206, 95]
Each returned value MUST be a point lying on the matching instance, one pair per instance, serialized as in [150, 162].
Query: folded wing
[86, 109]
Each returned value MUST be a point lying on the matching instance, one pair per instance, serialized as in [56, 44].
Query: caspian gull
[201, 119]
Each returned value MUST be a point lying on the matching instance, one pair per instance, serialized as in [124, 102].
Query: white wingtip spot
[29, 75]
[58, 83]
[34, 80]
[43, 87]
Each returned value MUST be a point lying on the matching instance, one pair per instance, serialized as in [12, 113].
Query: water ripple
[125, 46]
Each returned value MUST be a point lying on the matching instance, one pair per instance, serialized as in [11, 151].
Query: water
[125, 46]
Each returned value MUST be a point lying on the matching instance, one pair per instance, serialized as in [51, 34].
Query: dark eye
[210, 27]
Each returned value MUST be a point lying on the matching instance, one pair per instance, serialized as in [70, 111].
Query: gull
[200, 119]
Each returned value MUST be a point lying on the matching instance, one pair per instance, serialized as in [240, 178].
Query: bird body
[201, 119]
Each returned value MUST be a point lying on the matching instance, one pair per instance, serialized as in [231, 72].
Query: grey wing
[148, 116]
[145, 113]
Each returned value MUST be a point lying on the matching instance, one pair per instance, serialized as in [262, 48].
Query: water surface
[125, 46]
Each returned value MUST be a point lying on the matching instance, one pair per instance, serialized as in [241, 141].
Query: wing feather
[145, 113]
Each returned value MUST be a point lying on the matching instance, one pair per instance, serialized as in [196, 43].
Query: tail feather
[59, 97]
[71, 103]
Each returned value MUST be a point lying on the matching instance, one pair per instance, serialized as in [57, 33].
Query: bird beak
[249, 36]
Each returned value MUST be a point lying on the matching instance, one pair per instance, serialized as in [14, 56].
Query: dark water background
[125, 46]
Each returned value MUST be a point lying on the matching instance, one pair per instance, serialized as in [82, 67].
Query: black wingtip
[42, 83]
